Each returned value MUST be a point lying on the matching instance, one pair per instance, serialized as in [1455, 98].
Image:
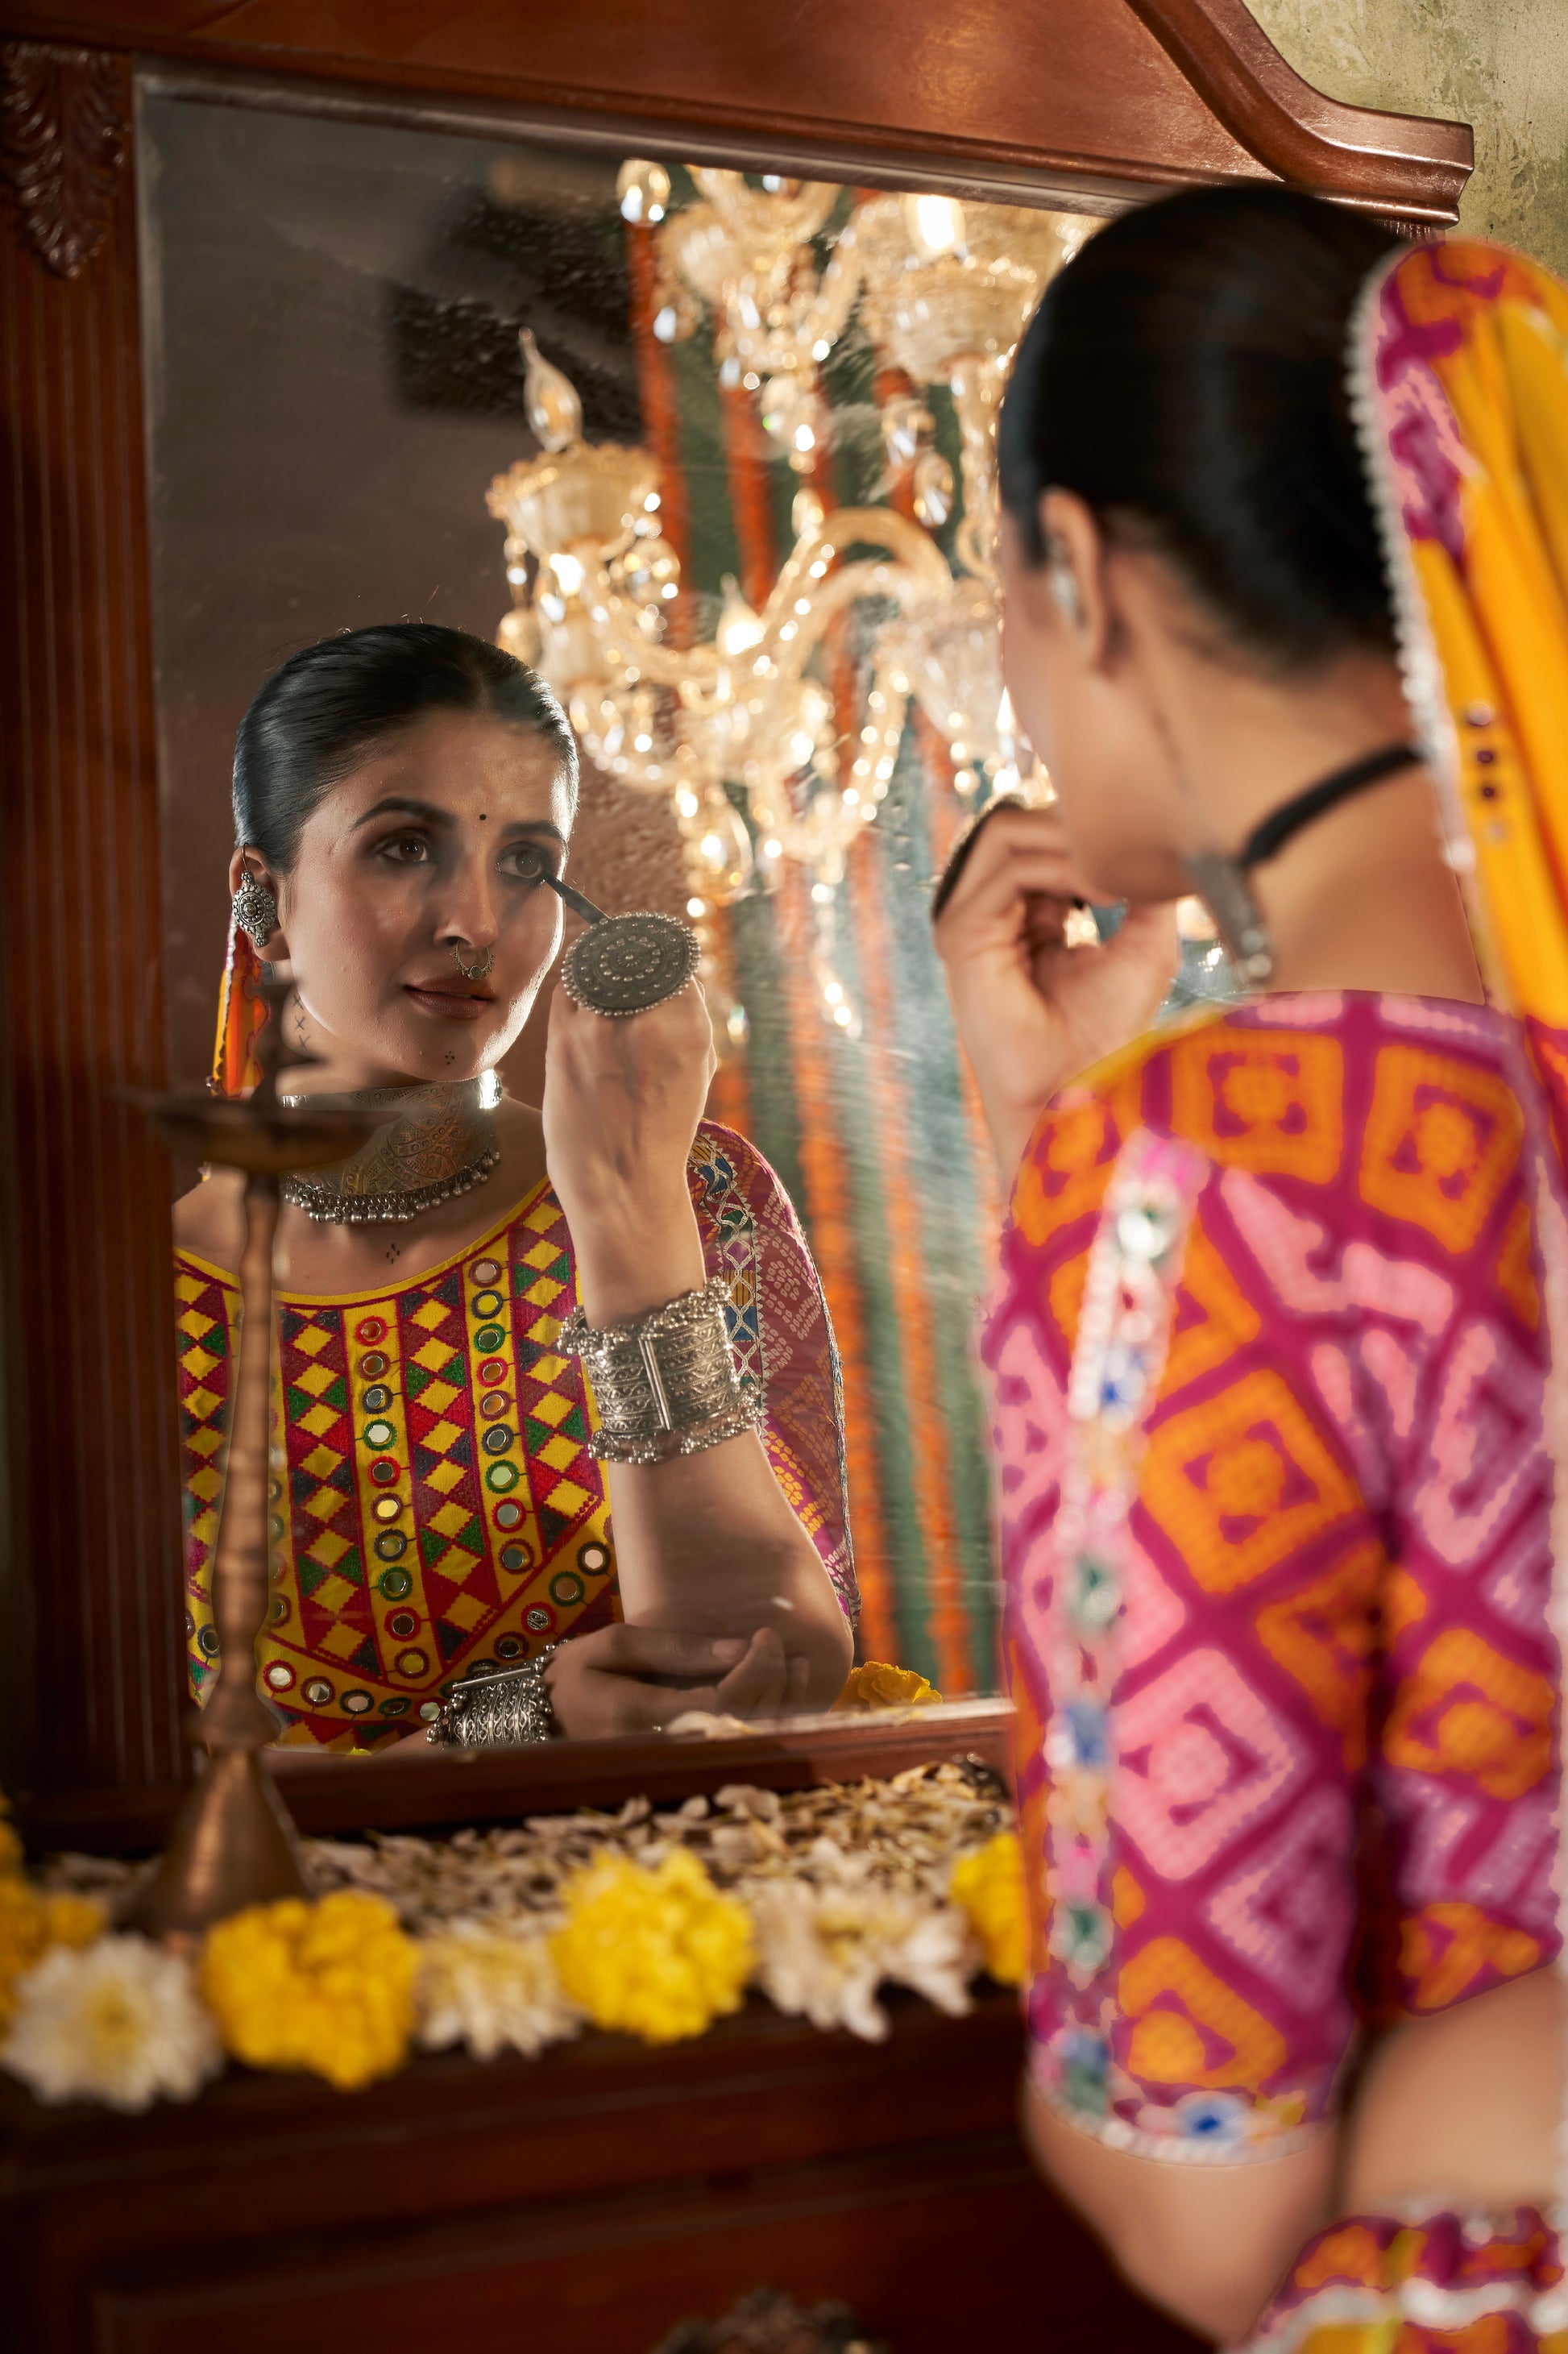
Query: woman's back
[1302, 1446]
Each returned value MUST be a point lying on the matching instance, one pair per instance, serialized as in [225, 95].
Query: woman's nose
[470, 910]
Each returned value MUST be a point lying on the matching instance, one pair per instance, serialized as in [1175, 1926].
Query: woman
[1270, 1344]
[402, 796]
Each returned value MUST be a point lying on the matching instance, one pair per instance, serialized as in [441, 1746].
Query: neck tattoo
[438, 1142]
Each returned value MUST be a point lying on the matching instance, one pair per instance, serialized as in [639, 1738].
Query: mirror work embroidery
[434, 1501]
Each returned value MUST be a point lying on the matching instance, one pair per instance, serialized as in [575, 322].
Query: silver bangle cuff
[509, 1708]
[664, 1384]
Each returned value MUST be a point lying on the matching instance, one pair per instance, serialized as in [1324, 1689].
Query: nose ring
[479, 968]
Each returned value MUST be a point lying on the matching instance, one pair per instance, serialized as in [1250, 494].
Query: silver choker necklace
[438, 1143]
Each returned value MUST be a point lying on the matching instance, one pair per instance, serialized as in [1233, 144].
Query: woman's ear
[1075, 573]
[255, 890]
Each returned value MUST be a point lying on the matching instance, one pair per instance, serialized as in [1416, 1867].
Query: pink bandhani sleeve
[1185, 1553]
[781, 1335]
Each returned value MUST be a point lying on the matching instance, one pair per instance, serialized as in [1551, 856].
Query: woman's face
[437, 841]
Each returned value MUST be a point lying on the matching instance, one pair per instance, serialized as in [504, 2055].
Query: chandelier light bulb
[807, 514]
[936, 225]
[642, 191]
[720, 855]
[739, 625]
[555, 412]
[568, 572]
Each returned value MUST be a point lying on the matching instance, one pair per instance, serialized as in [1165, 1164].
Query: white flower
[120, 2020]
[490, 1989]
[822, 1952]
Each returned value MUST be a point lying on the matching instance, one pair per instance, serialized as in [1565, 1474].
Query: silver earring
[1062, 584]
[254, 908]
[1223, 887]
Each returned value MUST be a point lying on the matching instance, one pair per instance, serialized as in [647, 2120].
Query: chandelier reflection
[758, 717]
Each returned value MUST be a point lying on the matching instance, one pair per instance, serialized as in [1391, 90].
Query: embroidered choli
[434, 1502]
[1269, 1374]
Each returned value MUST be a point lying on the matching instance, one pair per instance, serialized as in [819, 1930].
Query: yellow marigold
[30, 1923]
[988, 1885]
[327, 1987]
[874, 1684]
[659, 1953]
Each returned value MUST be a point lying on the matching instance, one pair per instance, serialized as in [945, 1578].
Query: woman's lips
[449, 1005]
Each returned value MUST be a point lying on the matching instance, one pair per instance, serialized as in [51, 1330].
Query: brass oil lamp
[233, 1841]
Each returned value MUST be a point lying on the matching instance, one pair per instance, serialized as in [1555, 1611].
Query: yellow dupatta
[1460, 377]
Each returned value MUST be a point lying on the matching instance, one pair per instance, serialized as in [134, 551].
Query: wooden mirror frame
[1095, 102]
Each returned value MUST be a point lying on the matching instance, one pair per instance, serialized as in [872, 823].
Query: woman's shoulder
[209, 1223]
[732, 1181]
[722, 1162]
[1304, 1091]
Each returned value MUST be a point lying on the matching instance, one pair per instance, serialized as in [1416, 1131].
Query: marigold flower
[659, 1953]
[119, 2022]
[491, 1990]
[327, 1987]
[988, 1885]
[874, 1684]
[30, 1923]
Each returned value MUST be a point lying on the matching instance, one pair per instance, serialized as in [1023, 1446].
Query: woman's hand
[1031, 1011]
[635, 1679]
[622, 1099]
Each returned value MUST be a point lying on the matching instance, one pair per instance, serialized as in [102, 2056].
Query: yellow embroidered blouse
[434, 1503]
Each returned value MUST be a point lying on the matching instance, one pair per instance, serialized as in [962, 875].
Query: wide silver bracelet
[664, 1383]
[508, 1708]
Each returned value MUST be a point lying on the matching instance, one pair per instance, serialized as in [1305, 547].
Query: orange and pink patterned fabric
[435, 1504]
[1268, 1364]
[1439, 2283]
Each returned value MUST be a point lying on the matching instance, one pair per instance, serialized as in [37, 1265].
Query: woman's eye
[405, 848]
[530, 864]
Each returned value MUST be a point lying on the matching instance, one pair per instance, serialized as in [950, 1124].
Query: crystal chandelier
[942, 292]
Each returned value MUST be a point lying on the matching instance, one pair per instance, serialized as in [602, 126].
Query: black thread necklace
[1221, 879]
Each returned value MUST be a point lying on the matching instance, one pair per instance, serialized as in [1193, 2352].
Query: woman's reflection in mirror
[439, 1501]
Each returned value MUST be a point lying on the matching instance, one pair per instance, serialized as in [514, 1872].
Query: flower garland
[654, 1924]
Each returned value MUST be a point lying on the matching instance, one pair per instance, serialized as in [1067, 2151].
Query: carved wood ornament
[62, 143]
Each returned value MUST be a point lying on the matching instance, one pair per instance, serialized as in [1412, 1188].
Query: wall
[1498, 65]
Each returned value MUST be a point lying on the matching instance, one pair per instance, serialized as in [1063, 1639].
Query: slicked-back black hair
[1185, 374]
[314, 718]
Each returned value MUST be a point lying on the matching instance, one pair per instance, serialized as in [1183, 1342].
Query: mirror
[714, 451]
